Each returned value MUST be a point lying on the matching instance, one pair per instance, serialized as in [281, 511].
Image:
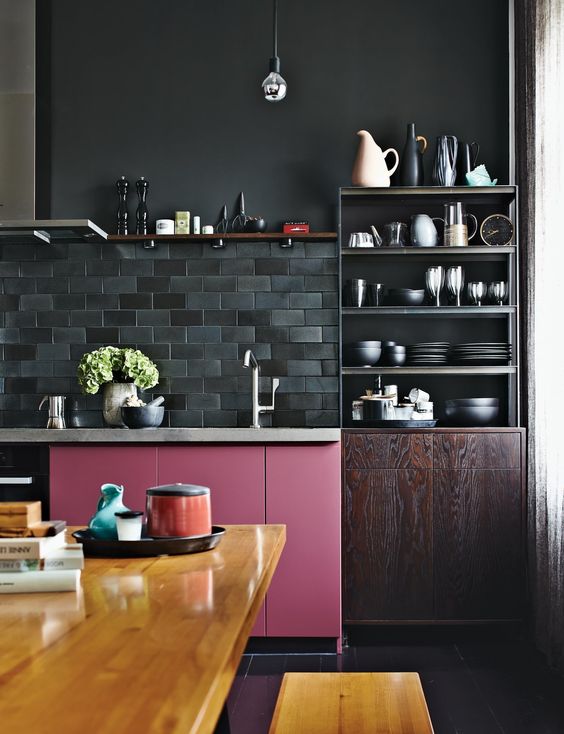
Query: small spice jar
[178, 510]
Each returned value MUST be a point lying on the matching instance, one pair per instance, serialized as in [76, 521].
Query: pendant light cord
[275, 29]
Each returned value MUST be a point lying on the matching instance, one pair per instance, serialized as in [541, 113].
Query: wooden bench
[351, 703]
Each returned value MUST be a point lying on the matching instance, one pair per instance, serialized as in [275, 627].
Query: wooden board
[151, 645]
[351, 703]
[19, 514]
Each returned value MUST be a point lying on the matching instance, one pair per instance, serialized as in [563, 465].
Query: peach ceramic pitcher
[370, 167]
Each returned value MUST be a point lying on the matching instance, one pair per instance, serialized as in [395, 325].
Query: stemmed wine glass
[476, 292]
[435, 280]
[455, 282]
[497, 292]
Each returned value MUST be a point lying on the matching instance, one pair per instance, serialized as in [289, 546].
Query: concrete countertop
[170, 435]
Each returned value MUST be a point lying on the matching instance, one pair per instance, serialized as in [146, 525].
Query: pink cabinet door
[235, 476]
[303, 491]
[77, 472]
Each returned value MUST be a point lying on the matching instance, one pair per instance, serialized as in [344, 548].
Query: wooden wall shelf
[238, 236]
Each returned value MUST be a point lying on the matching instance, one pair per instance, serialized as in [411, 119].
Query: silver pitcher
[56, 410]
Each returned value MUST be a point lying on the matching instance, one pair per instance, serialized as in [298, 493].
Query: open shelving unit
[405, 267]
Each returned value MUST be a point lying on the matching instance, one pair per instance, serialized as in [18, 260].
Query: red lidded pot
[178, 510]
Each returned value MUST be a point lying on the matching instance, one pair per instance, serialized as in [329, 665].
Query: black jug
[466, 162]
[411, 165]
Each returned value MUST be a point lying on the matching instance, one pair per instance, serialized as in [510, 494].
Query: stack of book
[36, 556]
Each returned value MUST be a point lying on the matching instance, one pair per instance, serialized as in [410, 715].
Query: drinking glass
[498, 292]
[375, 294]
[356, 292]
[434, 280]
[455, 282]
[476, 292]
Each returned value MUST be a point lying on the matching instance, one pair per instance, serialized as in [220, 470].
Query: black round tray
[147, 546]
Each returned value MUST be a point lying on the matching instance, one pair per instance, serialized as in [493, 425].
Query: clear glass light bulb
[274, 86]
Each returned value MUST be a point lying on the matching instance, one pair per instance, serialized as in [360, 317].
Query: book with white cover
[68, 556]
[30, 548]
[32, 581]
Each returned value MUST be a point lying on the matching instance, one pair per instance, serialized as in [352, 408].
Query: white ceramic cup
[129, 524]
[207, 229]
[165, 226]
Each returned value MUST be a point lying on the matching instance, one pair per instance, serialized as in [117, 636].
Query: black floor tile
[471, 686]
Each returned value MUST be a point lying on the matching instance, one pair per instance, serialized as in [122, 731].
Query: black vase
[411, 165]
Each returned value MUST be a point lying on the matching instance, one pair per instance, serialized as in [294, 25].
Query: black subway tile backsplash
[194, 310]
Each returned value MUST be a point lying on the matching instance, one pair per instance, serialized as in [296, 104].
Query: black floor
[475, 686]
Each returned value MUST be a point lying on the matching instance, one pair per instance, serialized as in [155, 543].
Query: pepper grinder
[122, 185]
[142, 212]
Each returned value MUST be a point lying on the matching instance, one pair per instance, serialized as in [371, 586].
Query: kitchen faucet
[250, 360]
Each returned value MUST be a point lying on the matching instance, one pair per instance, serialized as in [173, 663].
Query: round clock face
[497, 230]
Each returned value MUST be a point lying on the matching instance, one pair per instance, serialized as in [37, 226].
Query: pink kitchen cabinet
[77, 472]
[235, 476]
[303, 491]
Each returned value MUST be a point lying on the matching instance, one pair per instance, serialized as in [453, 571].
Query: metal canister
[392, 392]
[357, 411]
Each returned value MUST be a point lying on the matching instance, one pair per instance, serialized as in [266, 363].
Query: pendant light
[274, 86]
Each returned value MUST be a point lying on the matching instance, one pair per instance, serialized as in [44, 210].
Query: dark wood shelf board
[427, 251]
[439, 191]
[244, 236]
[441, 370]
[453, 311]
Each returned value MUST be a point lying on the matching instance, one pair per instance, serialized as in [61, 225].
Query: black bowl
[394, 359]
[472, 403]
[397, 349]
[360, 345]
[405, 297]
[361, 356]
[146, 416]
[468, 415]
[256, 225]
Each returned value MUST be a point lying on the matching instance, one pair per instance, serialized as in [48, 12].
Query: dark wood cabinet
[433, 526]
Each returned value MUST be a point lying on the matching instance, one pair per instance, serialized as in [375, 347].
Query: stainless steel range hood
[50, 231]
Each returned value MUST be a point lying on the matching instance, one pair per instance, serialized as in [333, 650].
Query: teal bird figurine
[103, 523]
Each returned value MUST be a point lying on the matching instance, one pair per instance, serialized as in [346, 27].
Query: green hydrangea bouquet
[115, 364]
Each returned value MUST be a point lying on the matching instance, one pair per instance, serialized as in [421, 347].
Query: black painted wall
[171, 91]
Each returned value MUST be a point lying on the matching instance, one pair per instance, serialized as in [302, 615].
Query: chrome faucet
[250, 360]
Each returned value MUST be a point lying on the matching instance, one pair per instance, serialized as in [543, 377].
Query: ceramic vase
[370, 167]
[103, 523]
[411, 167]
[114, 396]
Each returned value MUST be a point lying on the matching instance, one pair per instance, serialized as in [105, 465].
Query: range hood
[50, 231]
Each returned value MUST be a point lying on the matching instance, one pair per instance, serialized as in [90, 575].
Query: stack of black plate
[480, 353]
[428, 354]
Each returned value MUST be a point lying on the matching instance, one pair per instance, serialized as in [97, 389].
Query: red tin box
[178, 510]
[293, 227]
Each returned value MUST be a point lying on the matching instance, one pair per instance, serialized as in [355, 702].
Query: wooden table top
[150, 645]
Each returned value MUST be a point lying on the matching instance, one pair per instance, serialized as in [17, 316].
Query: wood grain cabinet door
[388, 571]
[478, 520]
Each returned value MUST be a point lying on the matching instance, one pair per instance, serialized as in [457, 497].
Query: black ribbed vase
[411, 162]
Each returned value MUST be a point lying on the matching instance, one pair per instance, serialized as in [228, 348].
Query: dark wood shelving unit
[405, 267]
